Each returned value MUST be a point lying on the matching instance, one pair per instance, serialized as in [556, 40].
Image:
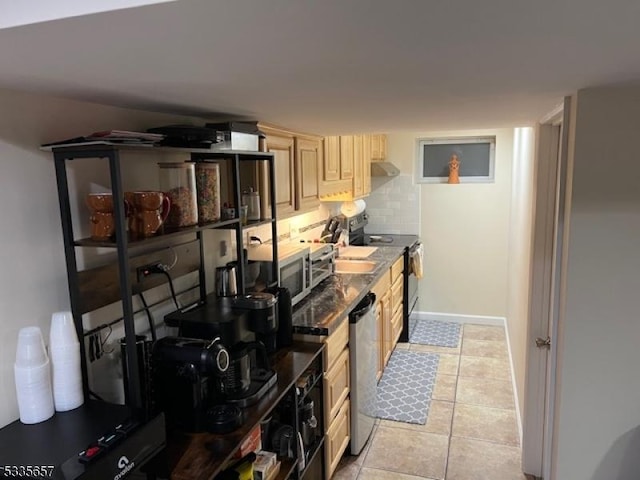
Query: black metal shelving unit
[123, 243]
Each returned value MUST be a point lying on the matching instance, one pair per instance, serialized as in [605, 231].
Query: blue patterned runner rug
[404, 391]
[433, 332]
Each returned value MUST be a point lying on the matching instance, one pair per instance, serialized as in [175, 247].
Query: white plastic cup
[34, 393]
[63, 330]
[64, 349]
[30, 351]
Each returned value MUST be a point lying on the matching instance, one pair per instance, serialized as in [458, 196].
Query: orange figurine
[454, 166]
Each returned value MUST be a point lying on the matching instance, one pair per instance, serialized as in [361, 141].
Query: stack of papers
[111, 137]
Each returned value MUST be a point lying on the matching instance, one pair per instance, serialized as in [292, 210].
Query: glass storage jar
[208, 188]
[178, 182]
[251, 199]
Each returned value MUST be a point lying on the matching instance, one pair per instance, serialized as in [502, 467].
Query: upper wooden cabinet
[366, 165]
[308, 162]
[378, 147]
[346, 157]
[331, 165]
[282, 147]
[353, 177]
[297, 163]
[358, 166]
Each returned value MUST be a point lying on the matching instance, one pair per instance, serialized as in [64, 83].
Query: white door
[549, 231]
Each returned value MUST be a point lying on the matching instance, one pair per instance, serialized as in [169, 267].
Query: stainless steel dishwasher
[363, 359]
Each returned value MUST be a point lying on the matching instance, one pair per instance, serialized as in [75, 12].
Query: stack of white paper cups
[33, 377]
[64, 349]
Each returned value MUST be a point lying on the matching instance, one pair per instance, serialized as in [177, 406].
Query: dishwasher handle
[365, 305]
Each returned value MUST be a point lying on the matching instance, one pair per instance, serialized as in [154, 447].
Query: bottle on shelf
[251, 199]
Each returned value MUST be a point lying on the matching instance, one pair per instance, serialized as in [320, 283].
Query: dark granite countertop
[322, 312]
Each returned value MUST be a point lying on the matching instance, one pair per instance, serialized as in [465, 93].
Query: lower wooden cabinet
[396, 326]
[336, 385]
[336, 390]
[337, 439]
[389, 292]
[335, 344]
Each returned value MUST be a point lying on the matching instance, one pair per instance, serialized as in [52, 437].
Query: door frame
[544, 293]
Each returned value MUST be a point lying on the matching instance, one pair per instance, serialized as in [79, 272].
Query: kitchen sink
[354, 266]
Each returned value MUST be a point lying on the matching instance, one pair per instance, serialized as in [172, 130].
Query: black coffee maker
[249, 375]
[187, 378]
[262, 316]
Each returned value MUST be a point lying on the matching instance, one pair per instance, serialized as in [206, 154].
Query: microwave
[293, 268]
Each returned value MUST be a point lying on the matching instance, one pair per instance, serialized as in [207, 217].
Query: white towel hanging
[417, 259]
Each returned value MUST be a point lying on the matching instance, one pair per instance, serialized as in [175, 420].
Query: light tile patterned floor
[471, 432]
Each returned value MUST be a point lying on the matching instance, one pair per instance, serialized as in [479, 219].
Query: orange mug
[101, 218]
[150, 212]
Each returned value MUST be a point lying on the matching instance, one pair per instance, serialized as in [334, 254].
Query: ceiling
[333, 66]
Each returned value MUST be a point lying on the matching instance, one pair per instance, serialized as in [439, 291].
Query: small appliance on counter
[247, 381]
[262, 316]
[250, 327]
[226, 281]
[293, 268]
[322, 259]
[188, 375]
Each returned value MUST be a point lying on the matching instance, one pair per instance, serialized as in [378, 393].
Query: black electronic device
[96, 441]
[186, 136]
[247, 380]
[187, 376]
[284, 337]
[262, 316]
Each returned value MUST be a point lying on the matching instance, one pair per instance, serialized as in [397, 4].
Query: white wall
[465, 229]
[33, 283]
[597, 425]
[520, 228]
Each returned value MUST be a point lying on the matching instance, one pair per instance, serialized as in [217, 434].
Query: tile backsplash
[394, 205]
[305, 226]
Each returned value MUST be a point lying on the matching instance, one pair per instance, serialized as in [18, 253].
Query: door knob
[543, 342]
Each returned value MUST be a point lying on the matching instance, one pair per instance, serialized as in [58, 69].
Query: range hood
[384, 169]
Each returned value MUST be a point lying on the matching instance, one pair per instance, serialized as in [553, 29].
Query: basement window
[476, 156]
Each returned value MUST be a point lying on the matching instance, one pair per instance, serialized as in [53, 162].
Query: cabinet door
[331, 165]
[380, 327]
[308, 155]
[337, 440]
[378, 147]
[375, 147]
[383, 147]
[396, 327]
[346, 158]
[336, 386]
[358, 174]
[282, 148]
[387, 333]
[366, 165]
[397, 291]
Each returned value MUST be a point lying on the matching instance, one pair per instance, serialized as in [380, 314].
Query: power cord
[164, 270]
[152, 325]
[173, 291]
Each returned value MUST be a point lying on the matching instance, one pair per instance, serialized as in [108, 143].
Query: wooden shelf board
[135, 242]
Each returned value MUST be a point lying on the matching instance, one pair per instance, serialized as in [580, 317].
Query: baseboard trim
[513, 381]
[458, 318]
[480, 320]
